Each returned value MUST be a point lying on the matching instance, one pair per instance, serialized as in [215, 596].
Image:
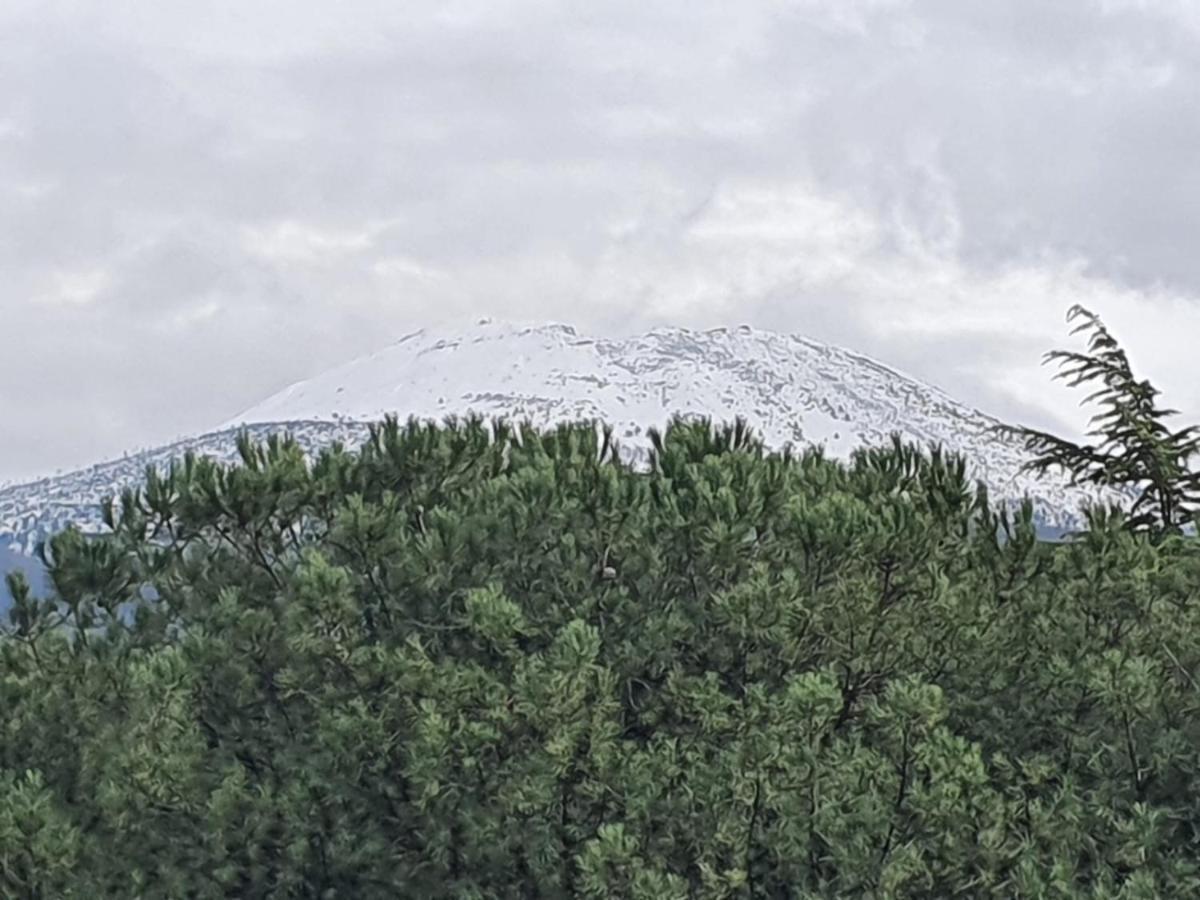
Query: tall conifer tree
[1135, 450]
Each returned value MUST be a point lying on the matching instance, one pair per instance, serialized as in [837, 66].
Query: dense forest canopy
[477, 660]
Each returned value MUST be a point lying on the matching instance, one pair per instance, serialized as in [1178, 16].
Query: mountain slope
[789, 388]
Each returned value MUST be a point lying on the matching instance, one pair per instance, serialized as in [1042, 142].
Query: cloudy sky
[201, 202]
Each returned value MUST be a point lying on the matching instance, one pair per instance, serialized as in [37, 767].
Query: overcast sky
[202, 202]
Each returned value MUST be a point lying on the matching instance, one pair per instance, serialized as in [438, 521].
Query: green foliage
[479, 661]
[1136, 450]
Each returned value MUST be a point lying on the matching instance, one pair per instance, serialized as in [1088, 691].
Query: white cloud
[404, 268]
[294, 242]
[843, 15]
[75, 288]
[191, 317]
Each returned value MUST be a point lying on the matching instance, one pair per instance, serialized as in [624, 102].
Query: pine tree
[1135, 451]
[481, 661]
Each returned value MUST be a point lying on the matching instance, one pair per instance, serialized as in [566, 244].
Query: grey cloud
[195, 210]
[1057, 127]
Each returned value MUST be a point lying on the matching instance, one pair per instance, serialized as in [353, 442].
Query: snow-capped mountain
[789, 388]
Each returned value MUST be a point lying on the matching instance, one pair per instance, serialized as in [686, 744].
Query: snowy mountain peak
[790, 389]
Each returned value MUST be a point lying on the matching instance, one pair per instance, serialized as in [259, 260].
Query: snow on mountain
[789, 388]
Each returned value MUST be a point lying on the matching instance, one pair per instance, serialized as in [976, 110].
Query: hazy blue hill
[10, 561]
